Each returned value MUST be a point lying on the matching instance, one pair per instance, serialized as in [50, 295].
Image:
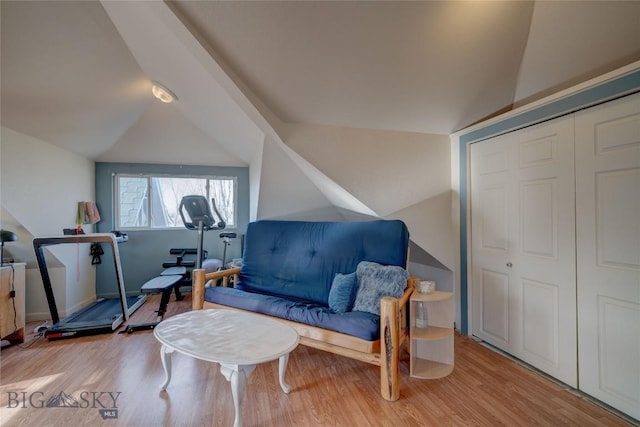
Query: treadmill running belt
[103, 316]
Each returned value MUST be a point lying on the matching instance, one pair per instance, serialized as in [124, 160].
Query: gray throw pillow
[376, 281]
[343, 292]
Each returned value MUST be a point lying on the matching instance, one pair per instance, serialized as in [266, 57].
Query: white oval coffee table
[237, 341]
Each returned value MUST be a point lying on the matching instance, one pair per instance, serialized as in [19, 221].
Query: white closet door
[492, 191]
[608, 239]
[523, 246]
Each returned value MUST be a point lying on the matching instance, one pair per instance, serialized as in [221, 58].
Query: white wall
[255, 170]
[332, 174]
[41, 185]
[400, 175]
[581, 31]
[284, 189]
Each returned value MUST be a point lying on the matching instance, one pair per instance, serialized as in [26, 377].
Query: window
[148, 201]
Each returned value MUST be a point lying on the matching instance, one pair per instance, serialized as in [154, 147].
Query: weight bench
[175, 272]
[172, 271]
[168, 281]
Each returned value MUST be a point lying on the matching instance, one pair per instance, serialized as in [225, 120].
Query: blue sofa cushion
[298, 260]
[376, 281]
[356, 323]
[343, 292]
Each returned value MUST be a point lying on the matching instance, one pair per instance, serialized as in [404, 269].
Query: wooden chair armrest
[411, 286]
[393, 329]
[222, 273]
[200, 278]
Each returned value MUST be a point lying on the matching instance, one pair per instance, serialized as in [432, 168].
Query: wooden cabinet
[431, 348]
[12, 309]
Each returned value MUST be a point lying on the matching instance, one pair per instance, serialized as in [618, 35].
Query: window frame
[149, 178]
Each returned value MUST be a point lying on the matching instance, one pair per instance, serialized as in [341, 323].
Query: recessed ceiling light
[162, 93]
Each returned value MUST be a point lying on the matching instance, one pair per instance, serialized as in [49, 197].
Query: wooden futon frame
[384, 352]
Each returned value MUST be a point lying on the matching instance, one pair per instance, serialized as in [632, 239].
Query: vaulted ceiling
[78, 74]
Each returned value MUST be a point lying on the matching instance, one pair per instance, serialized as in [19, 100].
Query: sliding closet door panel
[523, 246]
[608, 237]
[494, 221]
[540, 302]
[617, 230]
[539, 225]
[491, 194]
[494, 294]
[545, 258]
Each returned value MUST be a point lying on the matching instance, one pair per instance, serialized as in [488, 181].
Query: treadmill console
[120, 236]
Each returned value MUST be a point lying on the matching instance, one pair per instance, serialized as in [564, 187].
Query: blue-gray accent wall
[142, 256]
[606, 91]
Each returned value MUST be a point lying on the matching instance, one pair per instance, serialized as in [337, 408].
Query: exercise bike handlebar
[221, 223]
[200, 213]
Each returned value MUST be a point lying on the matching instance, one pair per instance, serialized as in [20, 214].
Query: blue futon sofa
[342, 285]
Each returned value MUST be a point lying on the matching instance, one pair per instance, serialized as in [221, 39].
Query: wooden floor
[485, 388]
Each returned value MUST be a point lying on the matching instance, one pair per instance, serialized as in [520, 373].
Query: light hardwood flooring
[485, 388]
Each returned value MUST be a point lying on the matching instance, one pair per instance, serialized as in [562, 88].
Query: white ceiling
[77, 74]
[410, 66]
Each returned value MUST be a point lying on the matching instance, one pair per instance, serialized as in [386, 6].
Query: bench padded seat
[160, 284]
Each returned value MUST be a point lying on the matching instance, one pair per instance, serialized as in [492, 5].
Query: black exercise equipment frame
[67, 328]
[198, 210]
[165, 289]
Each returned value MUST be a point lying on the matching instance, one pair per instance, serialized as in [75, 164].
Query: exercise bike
[226, 241]
[201, 219]
[198, 217]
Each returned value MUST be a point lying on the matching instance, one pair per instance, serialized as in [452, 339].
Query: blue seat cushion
[356, 323]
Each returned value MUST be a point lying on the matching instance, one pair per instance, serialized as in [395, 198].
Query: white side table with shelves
[431, 347]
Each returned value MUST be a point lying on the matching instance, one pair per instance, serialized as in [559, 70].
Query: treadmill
[105, 315]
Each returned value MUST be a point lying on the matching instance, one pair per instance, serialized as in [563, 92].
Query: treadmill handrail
[40, 242]
[78, 238]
